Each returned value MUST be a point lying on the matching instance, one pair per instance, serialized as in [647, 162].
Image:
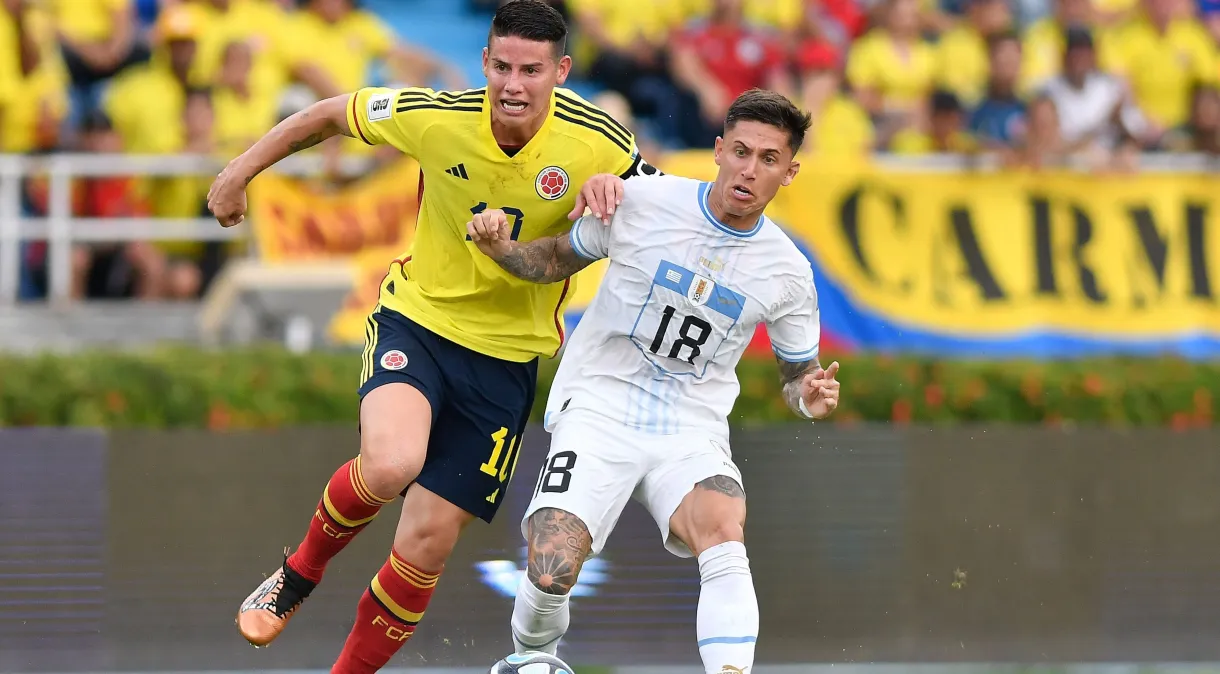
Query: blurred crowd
[1036, 83]
[1090, 83]
[176, 76]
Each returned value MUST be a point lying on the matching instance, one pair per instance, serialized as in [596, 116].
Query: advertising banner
[872, 544]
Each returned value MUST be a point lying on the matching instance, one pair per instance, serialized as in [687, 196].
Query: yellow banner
[1035, 263]
[1012, 254]
[294, 220]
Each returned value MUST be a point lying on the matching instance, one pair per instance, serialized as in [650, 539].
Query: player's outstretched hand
[601, 194]
[820, 391]
[489, 231]
[227, 197]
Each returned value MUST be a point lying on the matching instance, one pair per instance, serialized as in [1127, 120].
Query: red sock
[386, 616]
[346, 508]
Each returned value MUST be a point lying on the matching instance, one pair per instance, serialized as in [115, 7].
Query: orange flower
[1180, 421]
[901, 411]
[219, 417]
[975, 389]
[1031, 389]
[1203, 402]
[1093, 384]
[115, 402]
[933, 395]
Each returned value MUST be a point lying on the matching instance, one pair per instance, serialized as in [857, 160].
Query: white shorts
[596, 464]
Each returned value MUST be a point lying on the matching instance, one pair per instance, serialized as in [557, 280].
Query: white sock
[727, 622]
[539, 619]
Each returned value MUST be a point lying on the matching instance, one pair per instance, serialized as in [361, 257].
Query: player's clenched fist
[820, 391]
[227, 197]
[490, 231]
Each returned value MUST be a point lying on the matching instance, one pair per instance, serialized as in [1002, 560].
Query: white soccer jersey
[659, 345]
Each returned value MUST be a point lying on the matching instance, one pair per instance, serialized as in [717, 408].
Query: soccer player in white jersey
[640, 403]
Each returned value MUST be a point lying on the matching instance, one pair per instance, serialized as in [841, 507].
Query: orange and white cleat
[265, 613]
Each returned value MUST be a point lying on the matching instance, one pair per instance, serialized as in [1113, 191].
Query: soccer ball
[531, 662]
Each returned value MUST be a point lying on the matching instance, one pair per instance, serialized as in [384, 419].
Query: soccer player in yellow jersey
[450, 365]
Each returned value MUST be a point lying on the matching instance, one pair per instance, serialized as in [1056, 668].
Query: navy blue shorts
[480, 406]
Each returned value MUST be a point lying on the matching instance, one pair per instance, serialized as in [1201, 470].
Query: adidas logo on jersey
[458, 171]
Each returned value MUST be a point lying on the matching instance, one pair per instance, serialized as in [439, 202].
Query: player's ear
[794, 168]
[719, 146]
[485, 59]
[565, 67]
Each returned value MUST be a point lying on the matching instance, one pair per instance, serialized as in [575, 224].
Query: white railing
[61, 229]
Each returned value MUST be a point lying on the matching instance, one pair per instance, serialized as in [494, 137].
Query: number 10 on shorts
[501, 464]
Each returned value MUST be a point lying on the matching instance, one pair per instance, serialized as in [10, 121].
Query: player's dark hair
[532, 20]
[771, 108]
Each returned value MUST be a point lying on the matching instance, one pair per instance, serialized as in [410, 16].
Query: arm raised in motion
[322, 120]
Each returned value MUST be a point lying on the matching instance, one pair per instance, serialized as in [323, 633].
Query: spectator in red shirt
[719, 59]
[118, 270]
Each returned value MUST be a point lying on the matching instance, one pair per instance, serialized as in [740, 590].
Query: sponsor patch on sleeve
[379, 107]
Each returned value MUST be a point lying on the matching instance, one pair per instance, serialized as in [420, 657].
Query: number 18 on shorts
[597, 464]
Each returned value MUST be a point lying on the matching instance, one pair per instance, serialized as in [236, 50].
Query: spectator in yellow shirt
[891, 68]
[1043, 42]
[32, 81]
[961, 54]
[20, 43]
[275, 57]
[626, 42]
[783, 16]
[240, 116]
[345, 42]
[1164, 54]
[98, 39]
[1202, 132]
[148, 107]
[841, 129]
[944, 132]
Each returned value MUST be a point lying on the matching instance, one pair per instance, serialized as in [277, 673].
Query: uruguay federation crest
[700, 290]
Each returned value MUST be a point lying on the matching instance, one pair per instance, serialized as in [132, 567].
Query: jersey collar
[490, 138]
[705, 189]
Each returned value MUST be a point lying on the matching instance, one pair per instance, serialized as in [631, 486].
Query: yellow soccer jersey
[443, 282]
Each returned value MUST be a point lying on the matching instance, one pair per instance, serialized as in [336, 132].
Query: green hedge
[269, 387]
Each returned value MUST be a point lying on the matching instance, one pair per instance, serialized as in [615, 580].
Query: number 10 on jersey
[517, 217]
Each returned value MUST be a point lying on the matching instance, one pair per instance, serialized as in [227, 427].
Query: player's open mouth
[741, 192]
[513, 107]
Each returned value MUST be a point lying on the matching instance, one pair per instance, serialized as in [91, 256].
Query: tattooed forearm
[303, 129]
[307, 142]
[559, 543]
[544, 260]
[723, 484]
[790, 375]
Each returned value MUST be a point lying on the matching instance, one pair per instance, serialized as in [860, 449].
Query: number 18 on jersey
[685, 320]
